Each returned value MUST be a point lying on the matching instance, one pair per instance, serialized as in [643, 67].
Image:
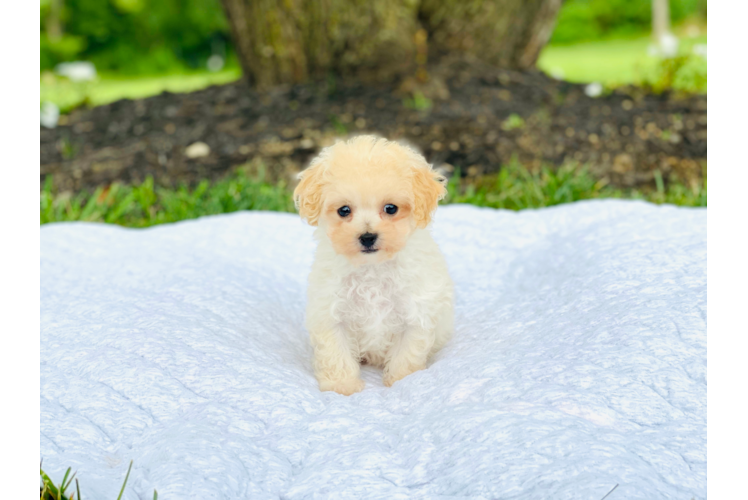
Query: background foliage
[137, 36]
[584, 20]
[158, 36]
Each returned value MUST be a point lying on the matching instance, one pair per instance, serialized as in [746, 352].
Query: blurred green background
[142, 47]
[134, 37]
[146, 37]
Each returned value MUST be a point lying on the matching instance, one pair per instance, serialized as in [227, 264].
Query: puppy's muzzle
[368, 240]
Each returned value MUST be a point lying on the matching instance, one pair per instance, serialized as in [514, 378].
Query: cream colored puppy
[379, 291]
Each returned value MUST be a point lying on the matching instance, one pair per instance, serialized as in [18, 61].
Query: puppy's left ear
[428, 189]
[308, 194]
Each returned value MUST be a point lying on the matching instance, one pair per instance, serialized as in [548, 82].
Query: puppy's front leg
[334, 365]
[408, 355]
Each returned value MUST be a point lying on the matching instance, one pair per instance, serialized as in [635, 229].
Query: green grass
[617, 62]
[48, 490]
[625, 61]
[108, 88]
[609, 62]
[514, 188]
[144, 205]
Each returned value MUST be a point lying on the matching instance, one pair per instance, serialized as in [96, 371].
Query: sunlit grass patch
[627, 61]
[107, 88]
[611, 62]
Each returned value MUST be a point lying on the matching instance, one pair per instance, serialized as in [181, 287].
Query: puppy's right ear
[308, 194]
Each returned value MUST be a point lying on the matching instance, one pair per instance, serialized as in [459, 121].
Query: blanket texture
[578, 362]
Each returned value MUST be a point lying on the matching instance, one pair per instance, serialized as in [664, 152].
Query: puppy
[379, 291]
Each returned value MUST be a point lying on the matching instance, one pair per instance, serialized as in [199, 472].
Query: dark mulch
[624, 136]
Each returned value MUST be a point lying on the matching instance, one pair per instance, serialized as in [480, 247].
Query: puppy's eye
[344, 211]
[390, 209]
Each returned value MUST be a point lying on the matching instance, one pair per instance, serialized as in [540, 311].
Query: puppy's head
[369, 195]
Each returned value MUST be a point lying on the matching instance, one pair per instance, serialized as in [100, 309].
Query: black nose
[368, 239]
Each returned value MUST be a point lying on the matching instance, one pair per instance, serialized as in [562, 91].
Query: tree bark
[506, 33]
[289, 41]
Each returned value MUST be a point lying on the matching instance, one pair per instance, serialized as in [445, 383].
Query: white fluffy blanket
[578, 362]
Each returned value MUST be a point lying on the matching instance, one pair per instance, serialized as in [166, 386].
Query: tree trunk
[289, 41]
[506, 33]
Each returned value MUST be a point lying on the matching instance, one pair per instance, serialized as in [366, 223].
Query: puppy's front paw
[344, 387]
[392, 376]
